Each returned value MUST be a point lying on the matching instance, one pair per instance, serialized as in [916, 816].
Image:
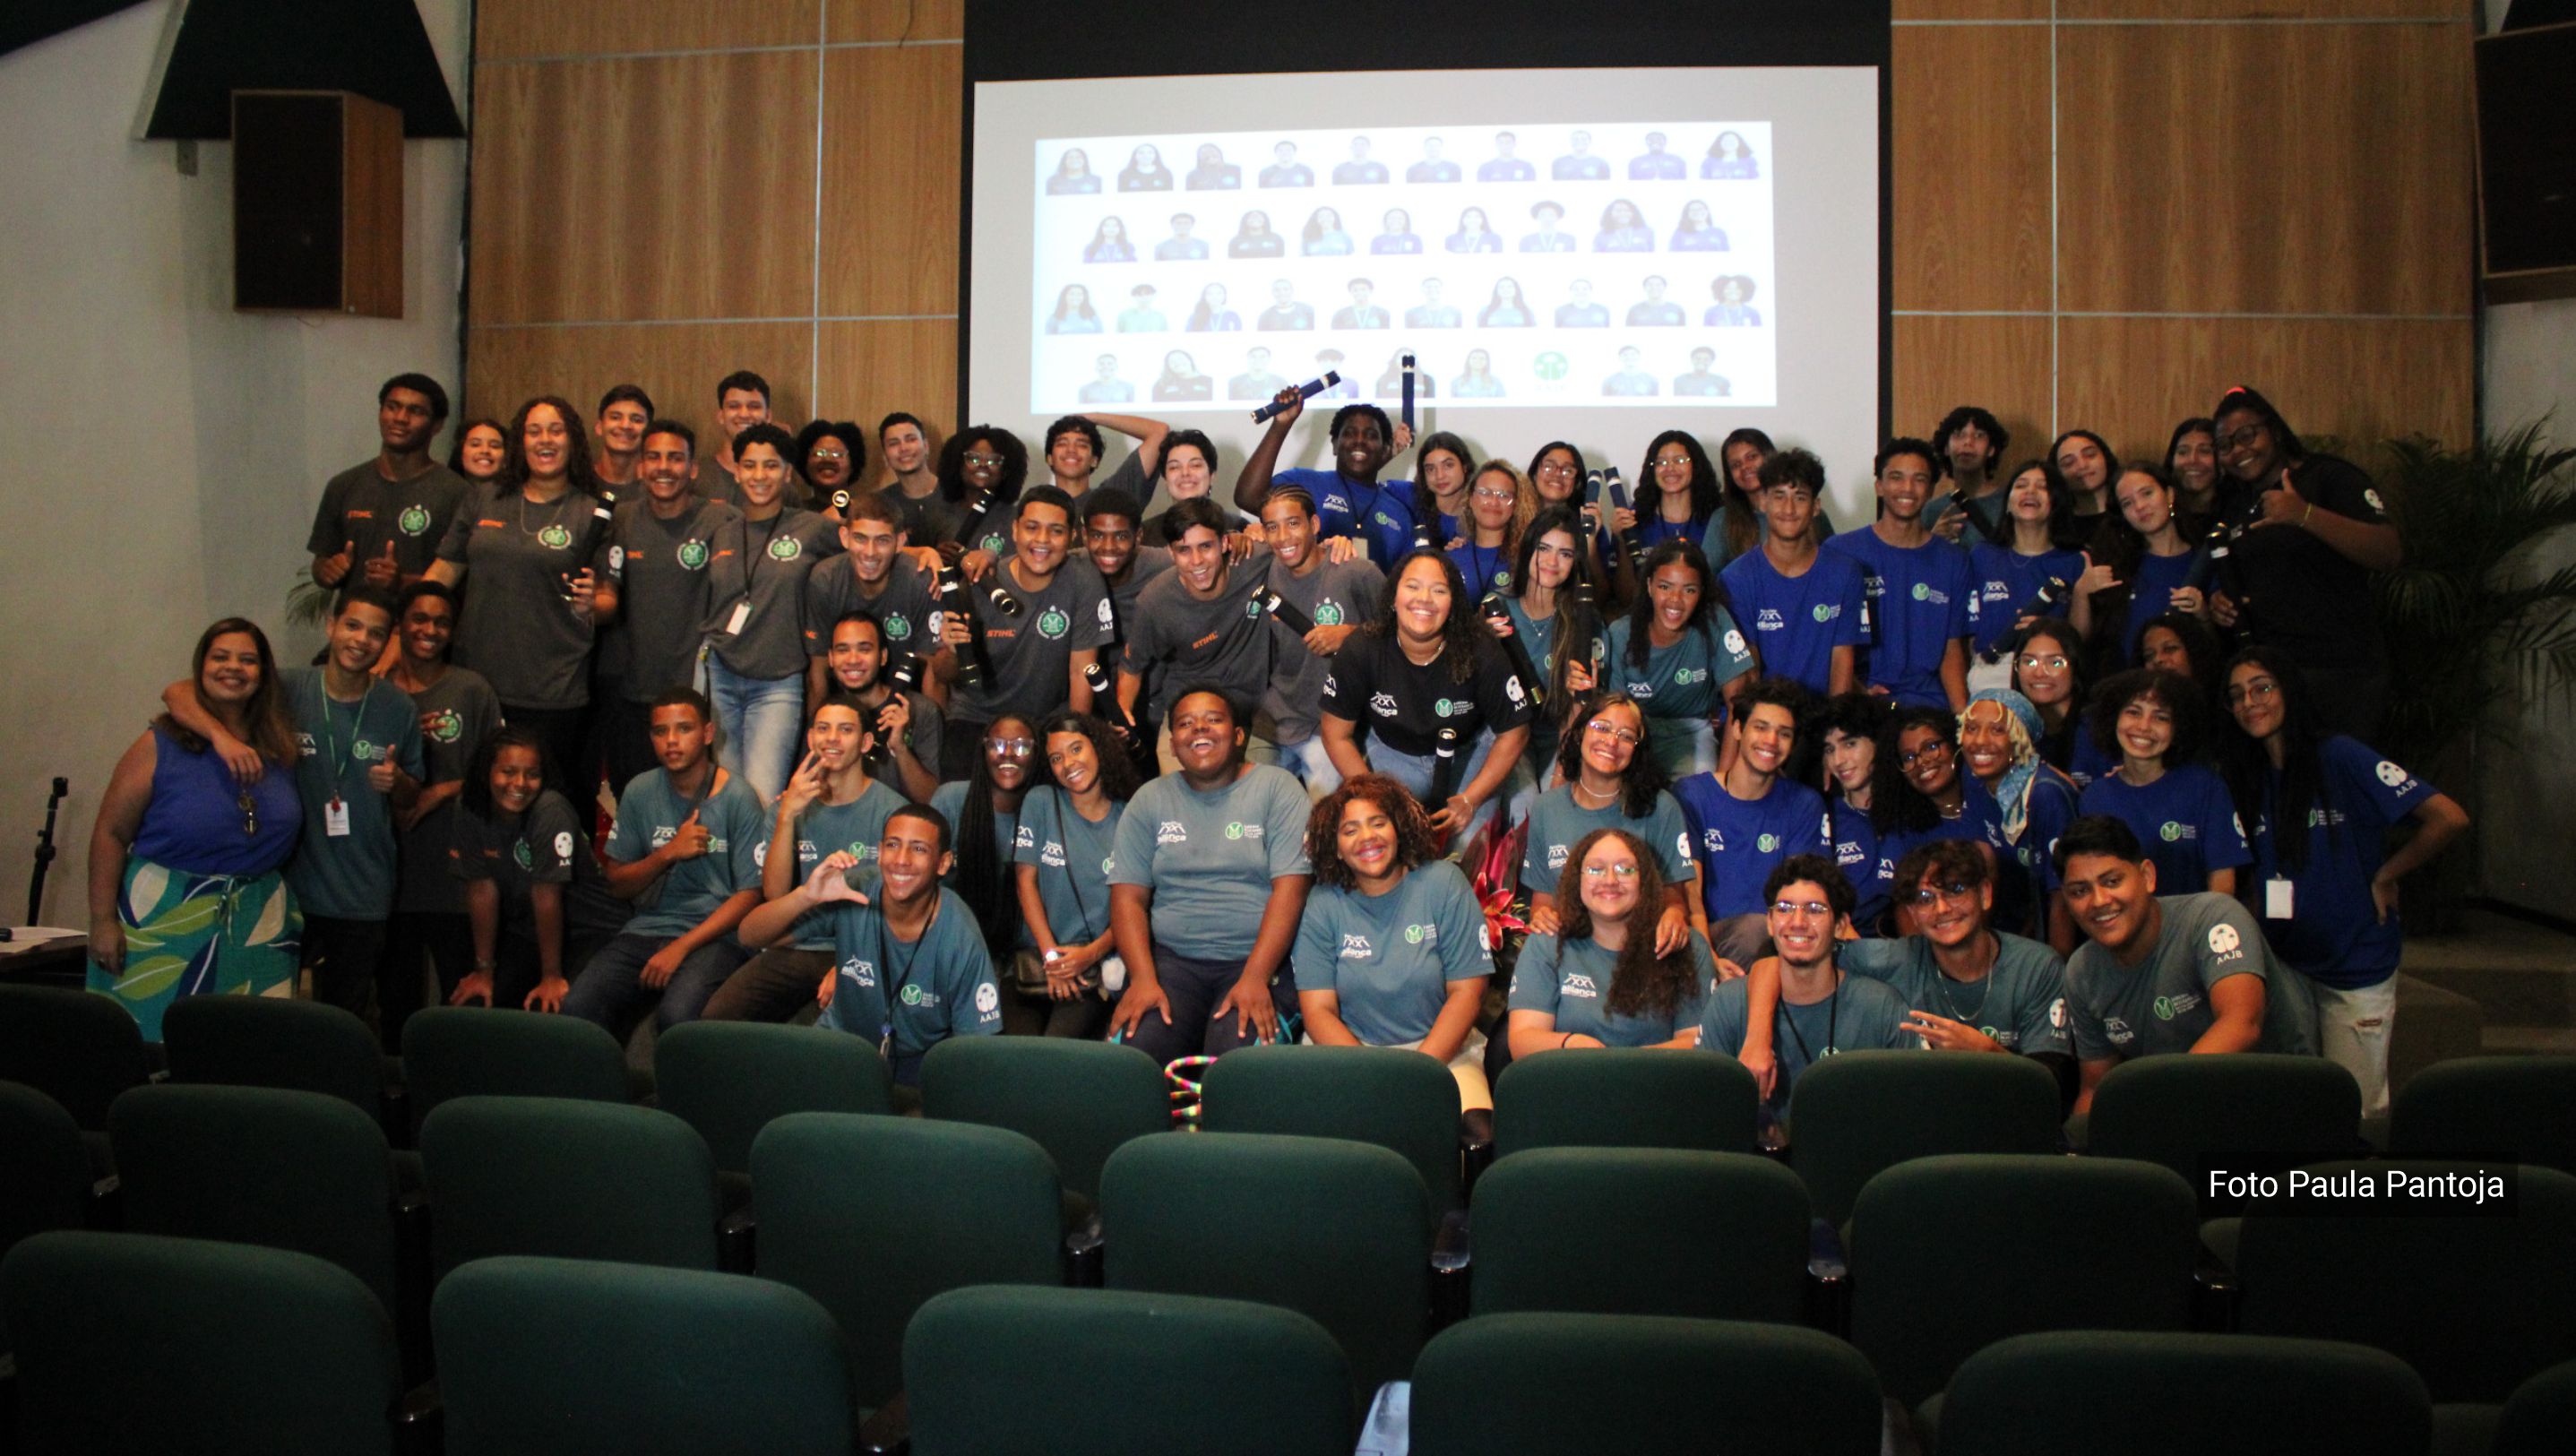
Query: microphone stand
[45, 851]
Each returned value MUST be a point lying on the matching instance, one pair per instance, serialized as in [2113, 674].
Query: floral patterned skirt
[190, 934]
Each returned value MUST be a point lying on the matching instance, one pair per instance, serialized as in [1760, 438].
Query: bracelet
[1569, 1041]
[487, 965]
[2308, 514]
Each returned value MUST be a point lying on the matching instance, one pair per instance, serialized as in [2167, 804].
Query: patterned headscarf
[2022, 726]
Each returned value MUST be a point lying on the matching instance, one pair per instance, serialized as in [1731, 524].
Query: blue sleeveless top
[194, 820]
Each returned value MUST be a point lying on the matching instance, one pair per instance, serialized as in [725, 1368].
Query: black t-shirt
[1373, 684]
[2303, 596]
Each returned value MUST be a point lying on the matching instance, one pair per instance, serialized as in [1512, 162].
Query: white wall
[160, 455]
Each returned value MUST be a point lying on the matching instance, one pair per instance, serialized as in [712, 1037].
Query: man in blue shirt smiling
[1349, 498]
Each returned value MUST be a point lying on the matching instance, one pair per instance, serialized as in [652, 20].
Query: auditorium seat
[1641, 1231]
[2539, 1419]
[1640, 1385]
[2520, 1109]
[1328, 1228]
[872, 1216]
[2211, 1395]
[273, 1041]
[1855, 1114]
[2254, 1111]
[1950, 1254]
[44, 1170]
[465, 1051]
[1399, 1100]
[564, 1178]
[1098, 1372]
[730, 1079]
[1624, 1097]
[79, 1048]
[1081, 1101]
[573, 1358]
[136, 1342]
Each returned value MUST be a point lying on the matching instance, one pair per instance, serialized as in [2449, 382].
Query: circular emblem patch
[2169, 832]
[1922, 592]
[554, 538]
[563, 844]
[911, 995]
[898, 627]
[1328, 614]
[1053, 624]
[1824, 612]
[444, 726]
[413, 520]
[786, 548]
[1550, 365]
[693, 554]
[364, 751]
[520, 852]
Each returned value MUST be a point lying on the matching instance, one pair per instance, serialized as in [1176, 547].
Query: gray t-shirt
[362, 510]
[1029, 667]
[927, 520]
[1331, 596]
[346, 876]
[1557, 824]
[2161, 1005]
[649, 813]
[1073, 858]
[1570, 980]
[2021, 1003]
[661, 568]
[1861, 1015]
[518, 629]
[901, 605]
[1209, 857]
[764, 564]
[1220, 642]
[456, 714]
[1389, 959]
[544, 846]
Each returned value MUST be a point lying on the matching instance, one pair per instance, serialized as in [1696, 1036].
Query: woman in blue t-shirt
[1392, 950]
[1323, 235]
[1920, 791]
[1475, 234]
[2151, 725]
[1254, 239]
[2048, 668]
[1395, 233]
[1699, 232]
[1852, 724]
[1998, 742]
[1073, 312]
[2028, 574]
[1109, 243]
[2143, 565]
[2320, 806]
[1507, 309]
[1067, 826]
[1623, 230]
[1678, 495]
[1675, 653]
[1598, 982]
[1072, 175]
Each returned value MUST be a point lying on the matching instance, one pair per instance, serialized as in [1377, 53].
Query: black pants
[448, 940]
[625, 735]
[565, 732]
[344, 957]
[772, 986]
[1083, 1017]
[1192, 987]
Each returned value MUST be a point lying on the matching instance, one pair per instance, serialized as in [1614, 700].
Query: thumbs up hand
[382, 773]
[335, 568]
[381, 570]
[690, 840]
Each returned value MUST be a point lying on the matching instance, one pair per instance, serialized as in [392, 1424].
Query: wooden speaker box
[317, 203]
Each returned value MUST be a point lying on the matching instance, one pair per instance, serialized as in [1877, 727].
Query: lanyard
[1486, 562]
[1833, 1022]
[895, 984]
[751, 563]
[330, 739]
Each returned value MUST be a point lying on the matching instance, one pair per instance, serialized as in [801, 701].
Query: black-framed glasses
[1935, 748]
[2242, 436]
[1010, 747]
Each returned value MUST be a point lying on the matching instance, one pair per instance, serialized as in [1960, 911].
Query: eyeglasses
[1934, 749]
[1010, 747]
[828, 454]
[1623, 870]
[1554, 467]
[1498, 497]
[1612, 730]
[2259, 688]
[1660, 461]
[1792, 908]
[983, 459]
[2241, 436]
[2043, 664]
[1955, 890]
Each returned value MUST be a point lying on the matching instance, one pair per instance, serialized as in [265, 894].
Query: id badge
[741, 615]
[2276, 899]
[335, 819]
[885, 1043]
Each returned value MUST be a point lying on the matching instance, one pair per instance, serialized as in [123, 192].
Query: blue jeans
[1313, 767]
[609, 989]
[759, 722]
[1413, 770]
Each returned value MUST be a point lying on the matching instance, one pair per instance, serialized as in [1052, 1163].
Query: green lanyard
[331, 740]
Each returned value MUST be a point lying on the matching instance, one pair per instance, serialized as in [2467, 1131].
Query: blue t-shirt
[2185, 820]
[1483, 568]
[2007, 581]
[912, 997]
[2151, 588]
[1922, 598]
[1381, 515]
[2053, 805]
[2334, 932]
[648, 814]
[1856, 852]
[1390, 958]
[1797, 621]
[1740, 841]
[1573, 986]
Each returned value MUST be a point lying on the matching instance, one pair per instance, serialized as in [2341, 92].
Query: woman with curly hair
[2151, 726]
[1428, 664]
[1599, 981]
[1608, 781]
[1067, 830]
[1922, 792]
[1392, 949]
[981, 469]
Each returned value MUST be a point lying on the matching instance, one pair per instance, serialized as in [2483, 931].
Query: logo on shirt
[2057, 1013]
[2223, 940]
[2117, 1030]
[861, 972]
[2372, 496]
[987, 1001]
[1356, 948]
[554, 538]
[996, 543]
[446, 725]
[563, 845]
[2390, 774]
[1252, 609]
[1382, 704]
[365, 751]
[1170, 831]
[760, 853]
[413, 520]
[1767, 843]
[898, 627]
[1768, 620]
[1421, 935]
[1240, 830]
[2169, 1007]
[1684, 677]
[2172, 832]
[1734, 641]
[1576, 985]
[1556, 853]
[693, 555]
[913, 995]
[520, 852]
[1453, 707]
[786, 548]
[1847, 851]
[1714, 838]
[1051, 853]
[1827, 611]
[1053, 624]
[616, 560]
[1328, 614]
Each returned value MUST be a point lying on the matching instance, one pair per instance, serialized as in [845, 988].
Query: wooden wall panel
[507, 29]
[871, 369]
[1919, 10]
[1970, 203]
[603, 189]
[890, 165]
[2259, 10]
[887, 21]
[2001, 363]
[2362, 381]
[2307, 169]
[678, 364]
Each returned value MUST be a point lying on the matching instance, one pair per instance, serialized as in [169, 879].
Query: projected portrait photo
[1073, 312]
[1479, 381]
[1655, 311]
[1109, 243]
[1104, 386]
[1212, 172]
[1395, 233]
[1505, 167]
[1551, 236]
[1361, 313]
[1578, 164]
[1285, 170]
[1579, 311]
[1181, 380]
[1257, 381]
[1145, 171]
[1507, 309]
[1657, 165]
[1284, 312]
[1475, 234]
[1323, 236]
[1254, 239]
[1701, 382]
[1730, 158]
[1431, 313]
[1181, 247]
[1210, 315]
[1073, 175]
[1623, 230]
[1632, 381]
[1699, 232]
[1360, 170]
[1734, 293]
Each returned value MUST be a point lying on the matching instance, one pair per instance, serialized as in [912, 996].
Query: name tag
[2276, 899]
[741, 614]
[335, 819]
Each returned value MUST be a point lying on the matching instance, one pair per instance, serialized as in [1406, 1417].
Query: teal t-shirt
[912, 997]
[1557, 824]
[1679, 685]
[826, 829]
[1209, 857]
[2021, 1003]
[2161, 1005]
[1572, 984]
[348, 876]
[1390, 958]
[1072, 856]
[649, 813]
[1861, 1015]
